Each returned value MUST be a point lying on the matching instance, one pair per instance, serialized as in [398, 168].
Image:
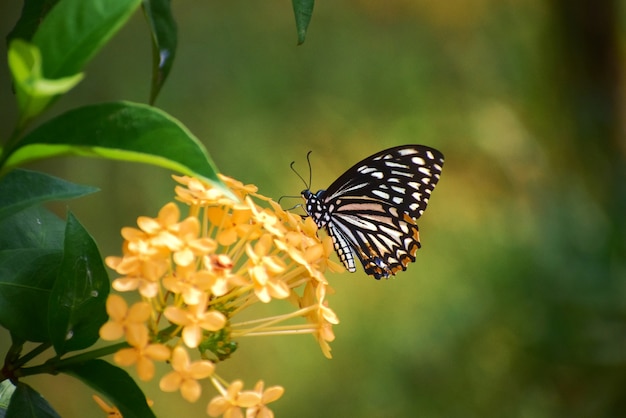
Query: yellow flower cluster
[195, 275]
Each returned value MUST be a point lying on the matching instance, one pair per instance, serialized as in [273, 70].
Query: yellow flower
[142, 267]
[142, 353]
[233, 225]
[190, 282]
[123, 320]
[264, 270]
[143, 263]
[230, 402]
[266, 219]
[163, 229]
[220, 266]
[179, 237]
[198, 270]
[323, 310]
[190, 245]
[194, 319]
[261, 410]
[325, 261]
[304, 246]
[321, 316]
[196, 193]
[186, 375]
[240, 189]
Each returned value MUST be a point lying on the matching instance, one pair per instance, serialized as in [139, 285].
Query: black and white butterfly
[370, 211]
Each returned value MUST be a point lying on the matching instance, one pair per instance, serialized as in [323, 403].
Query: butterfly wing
[373, 206]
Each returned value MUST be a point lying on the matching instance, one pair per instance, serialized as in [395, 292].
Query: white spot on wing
[381, 194]
[424, 170]
[359, 222]
[401, 173]
[407, 151]
[418, 160]
[395, 164]
[365, 169]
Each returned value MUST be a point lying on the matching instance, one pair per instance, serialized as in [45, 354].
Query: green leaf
[6, 392]
[75, 30]
[119, 131]
[33, 13]
[32, 228]
[34, 92]
[69, 36]
[164, 39]
[25, 287]
[30, 256]
[77, 303]
[28, 403]
[20, 189]
[303, 10]
[114, 383]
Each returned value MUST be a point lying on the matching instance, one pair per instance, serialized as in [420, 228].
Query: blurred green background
[516, 305]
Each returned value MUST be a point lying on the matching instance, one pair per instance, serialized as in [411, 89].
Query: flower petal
[145, 369]
[139, 312]
[180, 359]
[248, 398]
[213, 321]
[272, 394]
[137, 336]
[170, 382]
[116, 307]
[177, 315]
[191, 390]
[201, 369]
[169, 214]
[126, 356]
[184, 257]
[192, 335]
[217, 406]
[158, 352]
[111, 331]
[125, 284]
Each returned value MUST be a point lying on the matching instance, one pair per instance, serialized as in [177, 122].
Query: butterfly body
[370, 211]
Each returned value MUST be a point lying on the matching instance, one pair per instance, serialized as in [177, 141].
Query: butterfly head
[306, 194]
[315, 208]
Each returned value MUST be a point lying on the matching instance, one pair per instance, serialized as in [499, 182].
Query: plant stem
[56, 365]
[32, 354]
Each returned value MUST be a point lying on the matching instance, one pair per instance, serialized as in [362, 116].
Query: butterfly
[371, 209]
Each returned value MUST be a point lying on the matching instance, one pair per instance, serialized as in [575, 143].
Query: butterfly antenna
[287, 196]
[298, 174]
[308, 161]
[299, 205]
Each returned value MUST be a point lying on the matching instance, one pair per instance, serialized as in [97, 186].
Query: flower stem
[308, 330]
